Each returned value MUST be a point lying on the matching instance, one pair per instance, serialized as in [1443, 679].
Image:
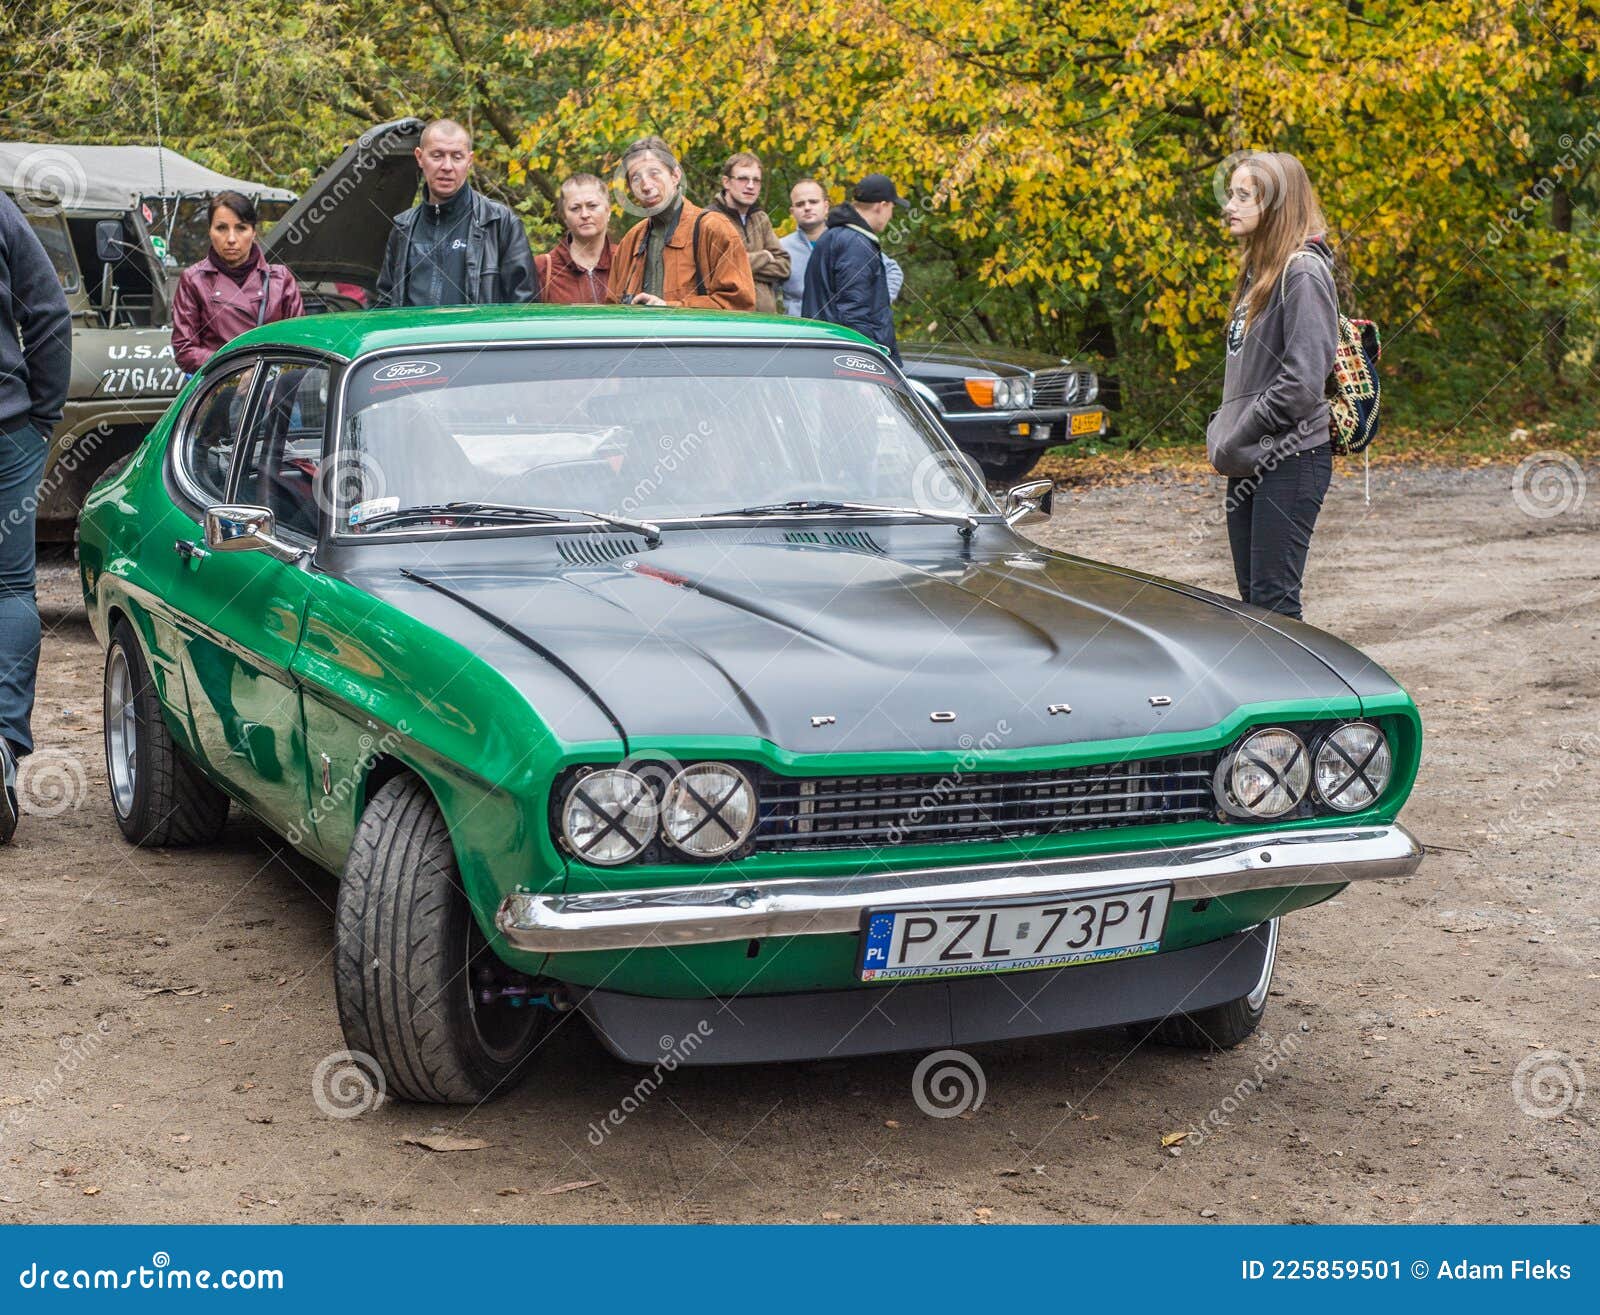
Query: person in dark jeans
[1271, 434]
[35, 368]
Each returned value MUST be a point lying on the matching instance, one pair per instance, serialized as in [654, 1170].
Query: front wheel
[418, 987]
[1224, 1026]
[159, 797]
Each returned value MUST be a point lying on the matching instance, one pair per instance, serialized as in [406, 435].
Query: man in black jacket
[456, 248]
[35, 369]
[845, 279]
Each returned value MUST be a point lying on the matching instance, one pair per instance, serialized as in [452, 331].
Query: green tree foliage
[1065, 157]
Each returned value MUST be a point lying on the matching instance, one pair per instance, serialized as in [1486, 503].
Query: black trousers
[1270, 518]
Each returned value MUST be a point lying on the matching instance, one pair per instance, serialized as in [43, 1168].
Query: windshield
[51, 230]
[645, 432]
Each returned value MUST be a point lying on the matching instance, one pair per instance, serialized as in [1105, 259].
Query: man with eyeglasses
[741, 202]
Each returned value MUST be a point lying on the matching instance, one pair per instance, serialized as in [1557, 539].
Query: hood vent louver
[598, 549]
[857, 540]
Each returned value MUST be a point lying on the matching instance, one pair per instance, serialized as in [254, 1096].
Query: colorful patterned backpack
[1353, 385]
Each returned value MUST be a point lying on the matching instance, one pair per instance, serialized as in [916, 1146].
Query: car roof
[359, 332]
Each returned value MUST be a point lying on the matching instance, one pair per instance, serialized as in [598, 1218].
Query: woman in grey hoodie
[1270, 436]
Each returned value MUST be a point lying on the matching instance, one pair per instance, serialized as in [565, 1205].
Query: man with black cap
[845, 279]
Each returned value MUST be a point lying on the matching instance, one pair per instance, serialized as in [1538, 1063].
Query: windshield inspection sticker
[365, 511]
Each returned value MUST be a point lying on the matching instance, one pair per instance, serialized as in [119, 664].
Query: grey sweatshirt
[1273, 389]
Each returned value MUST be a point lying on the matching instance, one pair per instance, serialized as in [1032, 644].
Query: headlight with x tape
[613, 815]
[1353, 765]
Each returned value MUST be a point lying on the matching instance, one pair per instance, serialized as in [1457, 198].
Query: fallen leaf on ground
[445, 1142]
[509, 1191]
[1173, 1138]
[91, 1191]
[571, 1187]
[891, 1123]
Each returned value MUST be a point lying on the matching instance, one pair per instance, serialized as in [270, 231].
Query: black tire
[1226, 1025]
[407, 954]
[1008, 467]
[164, 800]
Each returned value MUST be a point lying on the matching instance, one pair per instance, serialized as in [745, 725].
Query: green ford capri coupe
[674, 668]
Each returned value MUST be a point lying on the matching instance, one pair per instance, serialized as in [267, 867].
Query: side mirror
[247, 529]
[108, 243]
[1029, 502]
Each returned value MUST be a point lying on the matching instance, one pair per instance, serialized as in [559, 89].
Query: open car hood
[337, 231]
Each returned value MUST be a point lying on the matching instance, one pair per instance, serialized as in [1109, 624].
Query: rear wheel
[160, 798]
[1008, 467]
[1223, 1026]
[418, 986]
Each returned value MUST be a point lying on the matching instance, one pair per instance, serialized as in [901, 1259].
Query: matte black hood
[705, 637]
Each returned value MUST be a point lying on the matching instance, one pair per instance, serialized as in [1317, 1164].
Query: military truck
[121, 223]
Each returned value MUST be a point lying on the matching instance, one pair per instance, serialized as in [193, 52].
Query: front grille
[1060, 387]
[869, 812]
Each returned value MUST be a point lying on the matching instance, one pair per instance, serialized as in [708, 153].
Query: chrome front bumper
[818, 906]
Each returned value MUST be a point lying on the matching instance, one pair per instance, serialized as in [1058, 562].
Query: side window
[213, 433]
[283, 451]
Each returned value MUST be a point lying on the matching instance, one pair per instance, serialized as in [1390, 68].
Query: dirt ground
[162, 1015]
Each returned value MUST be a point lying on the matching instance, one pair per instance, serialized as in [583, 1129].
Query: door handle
[192, 553]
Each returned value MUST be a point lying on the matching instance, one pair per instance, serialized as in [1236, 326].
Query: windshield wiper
[510, 513]
[966, 522]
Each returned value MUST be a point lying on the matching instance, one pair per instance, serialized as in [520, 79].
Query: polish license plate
[899, 944]
[1087, 423]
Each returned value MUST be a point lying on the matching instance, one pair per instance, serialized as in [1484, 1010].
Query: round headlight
[609, 816]
[1268, 774]
[1352, 767]
[708, 810]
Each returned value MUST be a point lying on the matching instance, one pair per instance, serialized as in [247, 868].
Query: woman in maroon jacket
[232, 289]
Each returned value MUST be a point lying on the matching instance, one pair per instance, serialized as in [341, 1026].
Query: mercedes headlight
[609, 816]
[709, 810]
[1268, 774]
[1091, 390]
[1353, 765]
